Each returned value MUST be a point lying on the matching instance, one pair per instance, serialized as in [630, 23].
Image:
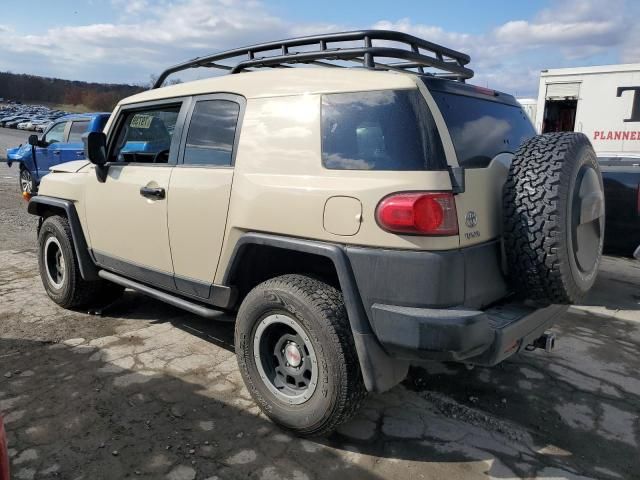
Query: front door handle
[56, 152]
[152, 192]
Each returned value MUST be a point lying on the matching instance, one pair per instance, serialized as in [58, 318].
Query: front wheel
[26, 181]
[60, 272]
[296, 354]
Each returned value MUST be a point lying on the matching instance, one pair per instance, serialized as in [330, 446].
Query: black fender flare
[380, 372]
[41, 205]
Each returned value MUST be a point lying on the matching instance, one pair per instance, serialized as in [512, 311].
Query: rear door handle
[56, 152]
[152, 192]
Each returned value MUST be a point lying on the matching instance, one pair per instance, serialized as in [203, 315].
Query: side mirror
[95, 147]
[34, 141]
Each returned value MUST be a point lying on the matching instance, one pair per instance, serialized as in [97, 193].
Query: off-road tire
[539, 203]
[74, 292]
[319, 309]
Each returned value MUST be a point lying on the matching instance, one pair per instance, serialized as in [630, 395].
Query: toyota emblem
[471, 219]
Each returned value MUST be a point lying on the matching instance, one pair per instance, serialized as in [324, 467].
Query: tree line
[94, 96]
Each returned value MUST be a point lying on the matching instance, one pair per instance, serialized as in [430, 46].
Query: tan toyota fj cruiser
[358, 219]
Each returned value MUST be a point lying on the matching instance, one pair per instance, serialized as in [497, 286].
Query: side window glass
[77, 130]
[145, 135]
[212, 132]
[56, 133]
[379, 130]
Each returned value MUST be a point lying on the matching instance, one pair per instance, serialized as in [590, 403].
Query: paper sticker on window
[141, 121]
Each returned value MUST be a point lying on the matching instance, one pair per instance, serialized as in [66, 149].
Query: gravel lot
[145, 390]
[16, 228]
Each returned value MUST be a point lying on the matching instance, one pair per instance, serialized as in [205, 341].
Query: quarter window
[145, 135]
[76, 131]
[212, 132]
[379, 130]
[56, 133]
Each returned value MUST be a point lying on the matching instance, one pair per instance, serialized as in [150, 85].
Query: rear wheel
[26, 181]
[60, 273]
[297, 356]
[554, 218]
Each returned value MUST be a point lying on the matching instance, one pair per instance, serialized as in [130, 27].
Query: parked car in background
[41, 127]
[62, 142]
[603, 103]
[28, 114]
[14, 122]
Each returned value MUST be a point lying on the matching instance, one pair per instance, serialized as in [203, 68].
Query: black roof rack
[356, 47]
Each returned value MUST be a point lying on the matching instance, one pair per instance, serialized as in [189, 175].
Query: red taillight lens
[485, 91]
[426, 213]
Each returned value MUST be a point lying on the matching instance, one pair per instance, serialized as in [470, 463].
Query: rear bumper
[435, 305]
[459, 334]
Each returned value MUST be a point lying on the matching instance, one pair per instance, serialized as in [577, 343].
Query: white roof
[284, 81]
[626, 67]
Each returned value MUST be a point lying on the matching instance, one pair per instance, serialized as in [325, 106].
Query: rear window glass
[481, 129]
[77, 130]
[379, 130]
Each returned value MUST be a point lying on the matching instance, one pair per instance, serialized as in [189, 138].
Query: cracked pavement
[144, 390]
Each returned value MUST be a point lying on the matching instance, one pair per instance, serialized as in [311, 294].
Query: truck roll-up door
[560, 91]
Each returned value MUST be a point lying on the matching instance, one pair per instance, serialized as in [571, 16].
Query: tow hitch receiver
[546, 341]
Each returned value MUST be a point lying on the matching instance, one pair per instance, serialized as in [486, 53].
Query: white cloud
[510, 56]
[145, 41]
[131, 6]
[150, 36]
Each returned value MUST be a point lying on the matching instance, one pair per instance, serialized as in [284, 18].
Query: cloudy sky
[126, 41]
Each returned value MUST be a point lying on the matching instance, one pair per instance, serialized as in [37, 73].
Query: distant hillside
[33, 89]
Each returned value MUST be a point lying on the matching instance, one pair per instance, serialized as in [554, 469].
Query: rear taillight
[424, 213]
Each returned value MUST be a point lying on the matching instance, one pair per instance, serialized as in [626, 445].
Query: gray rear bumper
[479, 337]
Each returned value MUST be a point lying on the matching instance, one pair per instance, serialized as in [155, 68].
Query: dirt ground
[147, 391]
[12, 205]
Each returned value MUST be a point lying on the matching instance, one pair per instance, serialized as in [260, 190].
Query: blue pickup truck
[60, 143]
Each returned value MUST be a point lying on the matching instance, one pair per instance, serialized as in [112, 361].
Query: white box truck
[603, 102]
[529, 105]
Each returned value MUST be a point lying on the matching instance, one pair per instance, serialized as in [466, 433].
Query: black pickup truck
[621, 176]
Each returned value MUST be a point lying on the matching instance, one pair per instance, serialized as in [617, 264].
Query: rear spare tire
[553, 207]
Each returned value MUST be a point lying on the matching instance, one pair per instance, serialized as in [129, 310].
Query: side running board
[162, 296]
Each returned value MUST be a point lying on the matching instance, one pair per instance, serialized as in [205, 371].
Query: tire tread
[535, 233]
[328, 302]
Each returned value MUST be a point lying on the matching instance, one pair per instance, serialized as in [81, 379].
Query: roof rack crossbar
[339, 47]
